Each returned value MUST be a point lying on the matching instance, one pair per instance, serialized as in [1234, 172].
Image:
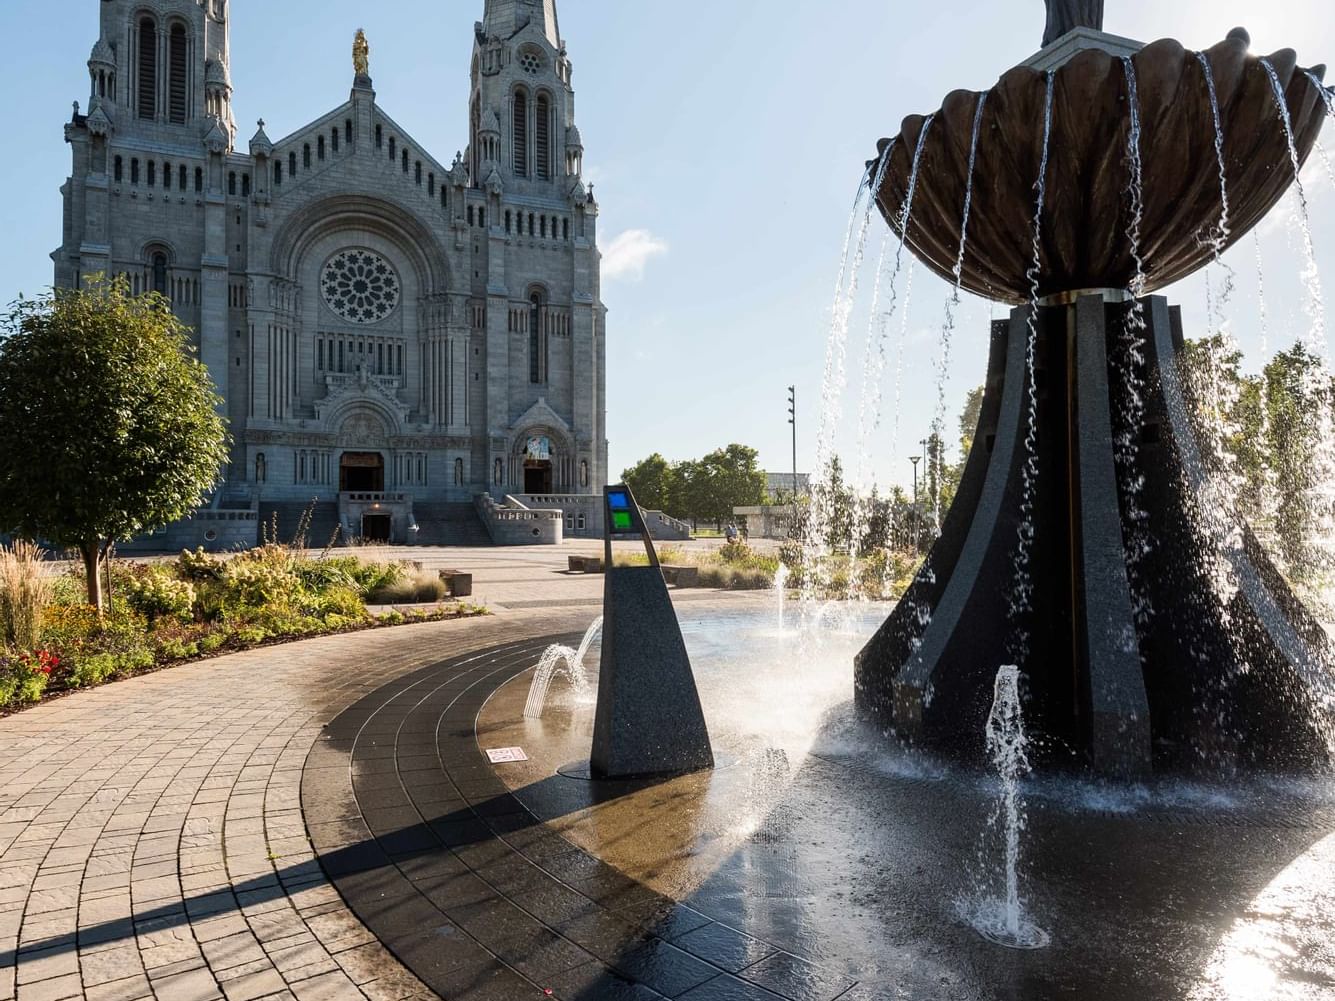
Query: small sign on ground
[501, 755]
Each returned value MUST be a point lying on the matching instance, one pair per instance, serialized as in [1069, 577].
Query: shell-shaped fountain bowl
[1087, 215]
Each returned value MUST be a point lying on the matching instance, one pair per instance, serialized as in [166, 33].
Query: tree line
[699, 490]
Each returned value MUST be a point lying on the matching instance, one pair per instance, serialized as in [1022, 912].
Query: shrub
[735, 551]
[393, 618]
[155, 593]
[250, 636]
[671, 555]
[24, 676]
[91, 670]
[421, 586]
[259, 582]
[199, 566]
[210, 642]
[25, 592]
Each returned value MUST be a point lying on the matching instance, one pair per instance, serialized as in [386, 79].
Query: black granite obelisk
[648, 721]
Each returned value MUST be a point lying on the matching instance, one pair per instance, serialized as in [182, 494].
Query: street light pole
[913, 522]
[792, 419]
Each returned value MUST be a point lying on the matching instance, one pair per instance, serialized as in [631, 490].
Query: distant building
[781, 485]
[393, 334]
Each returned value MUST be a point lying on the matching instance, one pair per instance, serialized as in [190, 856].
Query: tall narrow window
[292, 165]
[537, 364]
[521, 134]
[405, 161]
[167, 176]
[278, 173]
[306, 157]
[134, 170]
[182, 175]
[231, 183]
[245, 185]
[393, 148]
[178, 53]
[543, 137]
[379, 137]
[148, 69]
[152, 172]
[160, 273]
[347, 131]
[319, 147]
[333, 138]
[417, 171]
[430, 185]
[199, 179]
[119, 170]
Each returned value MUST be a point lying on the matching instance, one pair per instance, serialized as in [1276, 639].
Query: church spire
[506, 18]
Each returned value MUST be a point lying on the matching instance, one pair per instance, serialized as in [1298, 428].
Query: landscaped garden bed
[161, 614]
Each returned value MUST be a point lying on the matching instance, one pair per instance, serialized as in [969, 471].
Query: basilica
[408, 348]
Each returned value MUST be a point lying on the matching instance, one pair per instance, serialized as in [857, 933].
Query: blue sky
[725, 140]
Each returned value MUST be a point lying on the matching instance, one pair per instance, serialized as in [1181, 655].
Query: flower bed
[162, 614]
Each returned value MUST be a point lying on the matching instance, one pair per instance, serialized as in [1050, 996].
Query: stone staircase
[441, 524]
[324, 519]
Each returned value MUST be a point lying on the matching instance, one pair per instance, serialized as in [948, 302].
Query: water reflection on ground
[819, 835]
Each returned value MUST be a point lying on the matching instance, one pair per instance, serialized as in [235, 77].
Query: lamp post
[792, 419]
[913, 522]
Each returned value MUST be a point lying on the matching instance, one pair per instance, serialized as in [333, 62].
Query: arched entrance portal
[538, 465]
[361, 472]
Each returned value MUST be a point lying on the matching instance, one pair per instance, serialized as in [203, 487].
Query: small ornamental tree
[109, 427]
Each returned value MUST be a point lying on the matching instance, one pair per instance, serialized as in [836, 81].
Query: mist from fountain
[569, 661]
[1023, 586]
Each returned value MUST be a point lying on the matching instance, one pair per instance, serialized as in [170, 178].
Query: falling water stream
[874, 362]
[1023, 586]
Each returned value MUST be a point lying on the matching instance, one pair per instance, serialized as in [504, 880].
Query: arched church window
[147, 103]
[482, 218]
[520, 129]
[119, 169]
[178, 54]
[471, 216]
[417, 171]
[160, 273]
[182, 175]
[537, 341]
[565, 230]
[231, 183]
[167, 176]
[245, 185]
[333, 137]
[347, 131]
[404, 158]
[393, 148]
[152, 172]
[543, 137]
[199, 179]
[319, 147]
[306, 156]
[430, 185]
[379, 137]
[134, 170]
[509, 219]
[278, 172]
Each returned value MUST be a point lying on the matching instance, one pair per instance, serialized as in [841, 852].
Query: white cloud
[626, 257]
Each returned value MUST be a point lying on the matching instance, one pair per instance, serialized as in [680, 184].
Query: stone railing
[665, 527]
[373, 497]
[515, 524]
[337, 380]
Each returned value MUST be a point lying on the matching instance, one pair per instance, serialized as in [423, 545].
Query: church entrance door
[376, 527]
[537, 477]
[361, 472]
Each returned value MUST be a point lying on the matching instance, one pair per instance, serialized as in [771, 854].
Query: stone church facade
[401, 341]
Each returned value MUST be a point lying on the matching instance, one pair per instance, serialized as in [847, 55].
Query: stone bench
[681, 576]
[584, 564]
[460, 584]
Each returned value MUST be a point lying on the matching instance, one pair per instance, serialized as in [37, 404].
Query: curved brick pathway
[151, 836]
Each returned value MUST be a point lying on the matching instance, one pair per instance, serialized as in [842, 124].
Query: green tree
[109, 426]
[1295, 390]
[692, 491]
[736, 480]
[952, 473]
[650, 480]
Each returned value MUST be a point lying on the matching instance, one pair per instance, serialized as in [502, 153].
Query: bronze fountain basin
[1087, 213]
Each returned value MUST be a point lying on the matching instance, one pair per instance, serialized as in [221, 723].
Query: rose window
[530, 61]
[360, 286]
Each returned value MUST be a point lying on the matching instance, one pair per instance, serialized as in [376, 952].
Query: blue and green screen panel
[618, 502]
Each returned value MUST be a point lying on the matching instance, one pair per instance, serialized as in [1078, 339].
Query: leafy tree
[952, 473]
[650, 480]
[736, 480]
[108, 423]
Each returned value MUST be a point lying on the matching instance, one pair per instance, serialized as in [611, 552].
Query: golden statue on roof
[361, 54]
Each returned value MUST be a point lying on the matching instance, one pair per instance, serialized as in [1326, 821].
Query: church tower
[163, 72]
